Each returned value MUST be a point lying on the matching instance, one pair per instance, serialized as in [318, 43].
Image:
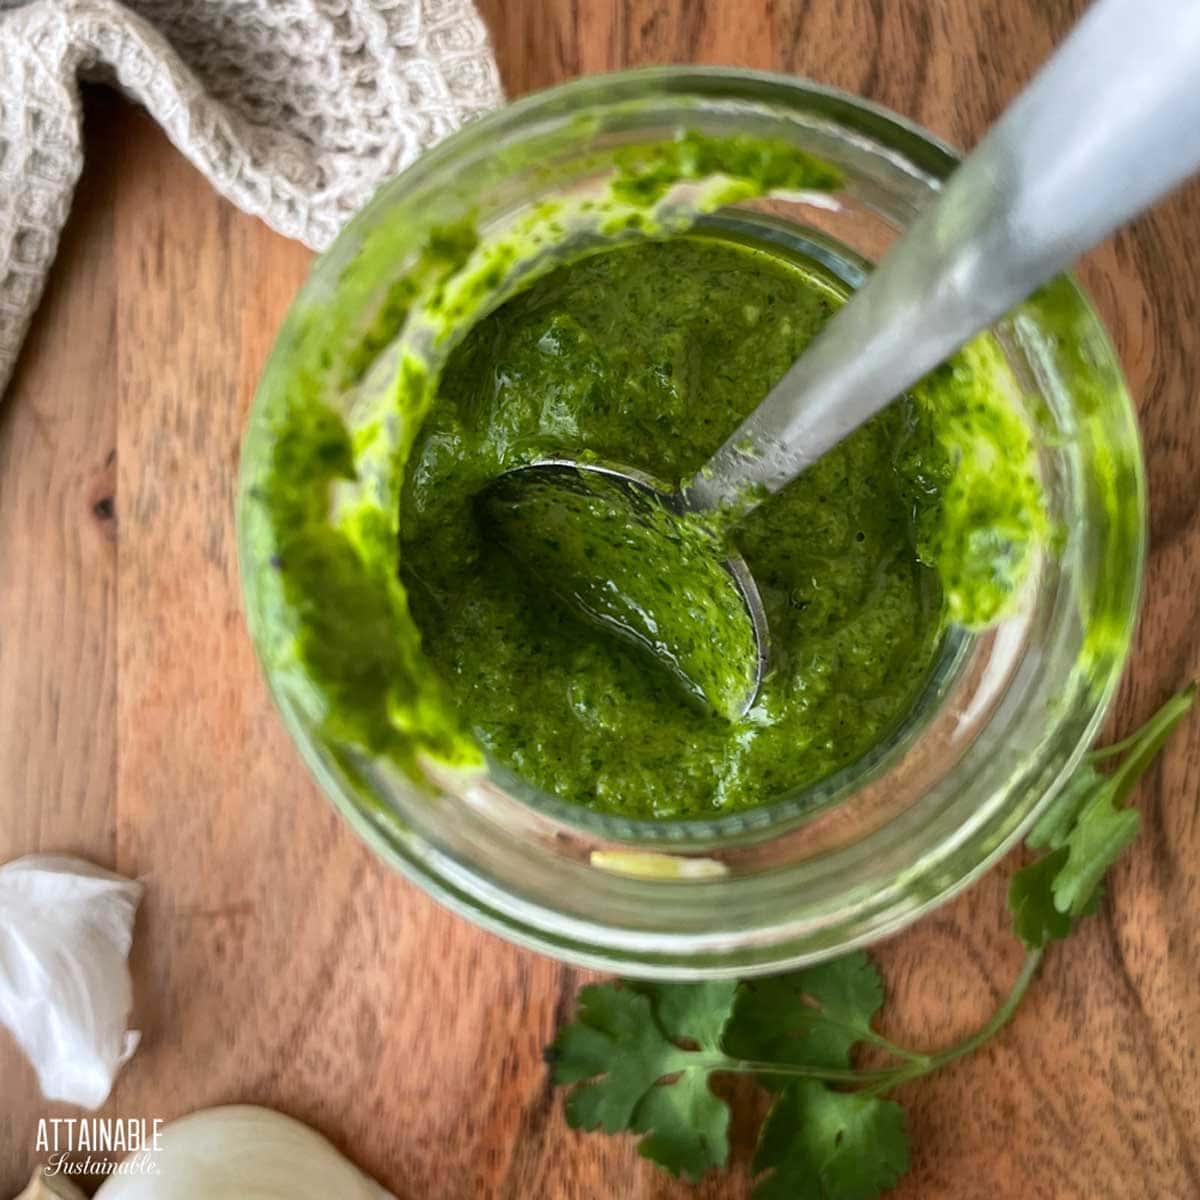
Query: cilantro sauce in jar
[650, 355]
[623, 267]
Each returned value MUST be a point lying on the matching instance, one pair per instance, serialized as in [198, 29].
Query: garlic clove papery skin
[65, 992]
[50, 1187]
[242, 1152]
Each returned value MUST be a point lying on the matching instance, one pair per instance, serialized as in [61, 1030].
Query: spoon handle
[1110, 124]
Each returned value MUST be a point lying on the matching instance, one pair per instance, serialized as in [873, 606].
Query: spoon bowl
[626, 554]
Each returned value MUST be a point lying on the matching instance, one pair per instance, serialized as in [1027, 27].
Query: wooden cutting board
[276, 961]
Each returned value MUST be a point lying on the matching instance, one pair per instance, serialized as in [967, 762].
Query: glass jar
[836, 864]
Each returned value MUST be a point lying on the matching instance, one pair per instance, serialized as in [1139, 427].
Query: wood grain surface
[276, 961]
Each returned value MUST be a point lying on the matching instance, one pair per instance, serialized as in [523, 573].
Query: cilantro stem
[885, 1079]
[1000, 1018]
[864, 1033]
[741, 1066]
[1154, 731]
[895, 1051]
[971, 1043]
[1152, 735]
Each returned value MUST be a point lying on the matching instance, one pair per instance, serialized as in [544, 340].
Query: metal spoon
[1110, 124]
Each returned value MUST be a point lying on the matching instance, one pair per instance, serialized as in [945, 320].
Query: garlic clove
[50, 1187]
[65, 992]
[241, 1152]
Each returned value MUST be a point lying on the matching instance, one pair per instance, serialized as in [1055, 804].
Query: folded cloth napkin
[296, 110]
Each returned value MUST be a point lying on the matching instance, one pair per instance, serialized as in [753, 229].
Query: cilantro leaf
[1101, 833]
[813, 1017]
[1086, 828]
[686, 1126]
[629, 1071]
[819, 1144]
[1049, 895]
[1052, 893]
[1053, 827]
[697, 1012]
[1036, 919]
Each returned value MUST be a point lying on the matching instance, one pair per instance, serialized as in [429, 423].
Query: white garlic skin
[241, 1152]
[65, 992]
[50, 1187]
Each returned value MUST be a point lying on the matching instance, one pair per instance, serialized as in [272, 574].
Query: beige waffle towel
[296, 110]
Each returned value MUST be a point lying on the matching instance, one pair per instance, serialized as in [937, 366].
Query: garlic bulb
[243, 1153]
[65, 929]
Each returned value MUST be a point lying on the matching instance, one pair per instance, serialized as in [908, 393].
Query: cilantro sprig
[640, 1057]
[1084, 830]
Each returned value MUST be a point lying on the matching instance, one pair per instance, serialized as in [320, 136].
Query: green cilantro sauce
[650, 356]
[400, 633]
